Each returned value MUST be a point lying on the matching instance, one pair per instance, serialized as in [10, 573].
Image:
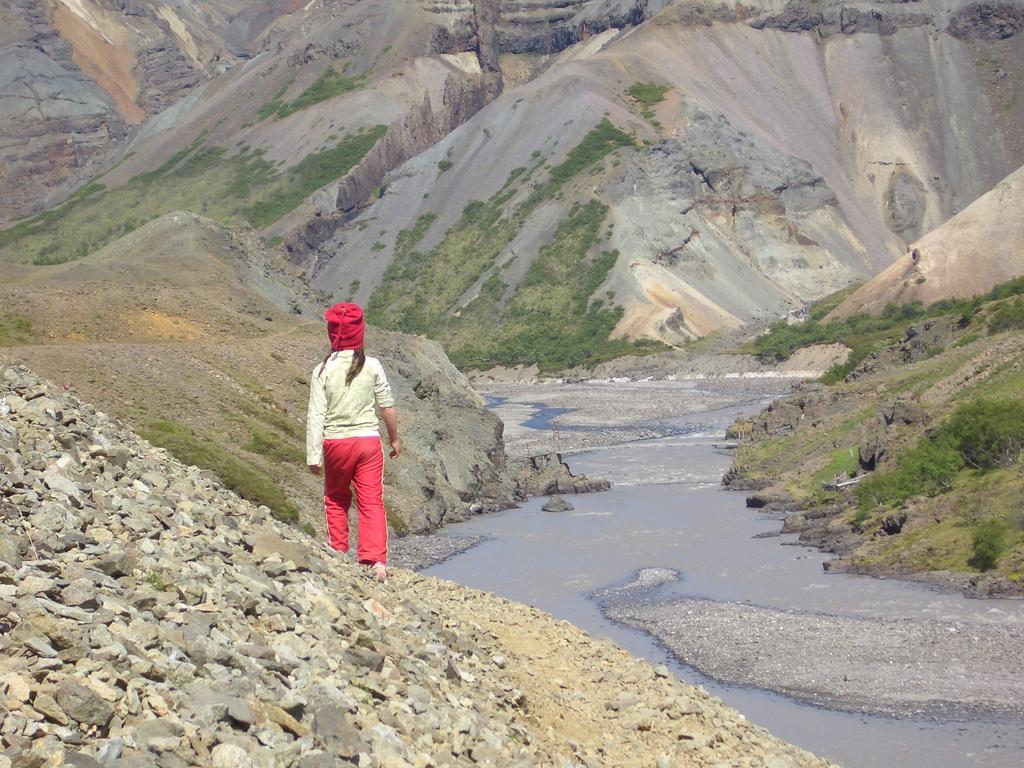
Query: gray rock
[557, 504]
[83, 705]
[333, 728]
[230, 756]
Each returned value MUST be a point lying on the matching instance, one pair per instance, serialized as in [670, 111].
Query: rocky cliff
[151, 618]
[77, 74]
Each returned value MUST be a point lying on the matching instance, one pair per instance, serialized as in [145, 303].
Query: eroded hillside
[203, 341]
[572, 176]
[754, 159]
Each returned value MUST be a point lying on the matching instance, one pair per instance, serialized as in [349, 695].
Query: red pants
[359, 462]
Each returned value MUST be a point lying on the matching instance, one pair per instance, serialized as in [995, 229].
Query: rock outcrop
[151, 618]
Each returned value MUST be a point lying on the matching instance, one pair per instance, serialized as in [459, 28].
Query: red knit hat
[345, 326]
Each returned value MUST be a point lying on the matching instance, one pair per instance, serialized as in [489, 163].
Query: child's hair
[358, 361]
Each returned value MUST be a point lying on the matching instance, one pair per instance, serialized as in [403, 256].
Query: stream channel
[668, 510]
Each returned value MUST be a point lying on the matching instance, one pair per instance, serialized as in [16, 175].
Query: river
[667, 510]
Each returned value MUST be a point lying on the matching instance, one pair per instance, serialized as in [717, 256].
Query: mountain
[572, 176]
[202, 339]
[967, 256]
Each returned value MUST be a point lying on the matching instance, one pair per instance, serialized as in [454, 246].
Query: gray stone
[557, 504]
[230, 756]
[333, 728]
[83, 705]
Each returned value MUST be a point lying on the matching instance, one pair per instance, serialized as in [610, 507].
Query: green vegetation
[445, 165]
[989, 541]
[16, 329]
[648, 96]
[1008, 316]
[240, 188]
[275, 103]
[549, 319]
[273, 447]
[330, 84]
[866, 333]
[980, 435]
[195, 448]
[156, 581]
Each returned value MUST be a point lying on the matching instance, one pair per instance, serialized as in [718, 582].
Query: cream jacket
[337, 410]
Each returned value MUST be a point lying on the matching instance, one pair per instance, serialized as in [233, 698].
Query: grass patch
[330, 84]
[16, 329]
[445, 165]
[239, 189]
[647, 96]
[550, 319]
[274, 448]
[156, 581]
[192, 447]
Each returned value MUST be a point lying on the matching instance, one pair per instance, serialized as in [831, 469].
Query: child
[342, 437]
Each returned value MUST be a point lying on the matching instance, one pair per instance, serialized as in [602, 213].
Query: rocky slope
[77, 74]
[150, 617]
[968, 255]
[202, 339]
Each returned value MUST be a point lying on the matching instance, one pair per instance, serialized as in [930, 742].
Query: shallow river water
[667, 510]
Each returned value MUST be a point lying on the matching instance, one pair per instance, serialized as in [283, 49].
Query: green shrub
[926, 470]
[648, 96]
[987, 433]
[1007, 317]
[988, 542]
[330, 84]
[983, 434]
[783, 338]
[445, 165]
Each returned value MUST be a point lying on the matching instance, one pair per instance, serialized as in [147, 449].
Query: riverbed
[756, 612]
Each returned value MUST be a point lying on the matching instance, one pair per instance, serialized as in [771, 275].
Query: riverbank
[151, 617]
[596, 414]
[894, 667]
[760, 605]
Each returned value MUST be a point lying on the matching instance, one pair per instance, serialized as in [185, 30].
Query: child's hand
[396, 448]
[314, 469]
